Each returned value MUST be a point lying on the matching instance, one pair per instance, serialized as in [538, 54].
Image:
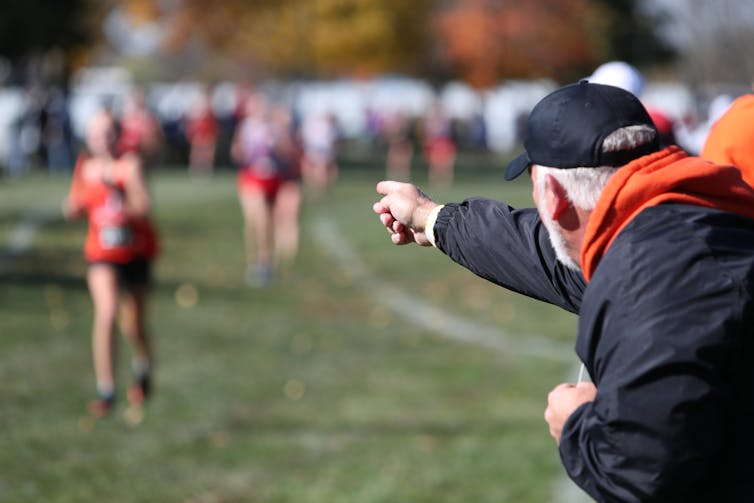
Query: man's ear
[555, 197]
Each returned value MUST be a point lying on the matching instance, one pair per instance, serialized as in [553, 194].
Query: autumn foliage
[480, 41]
[308, 37]
[486, 41]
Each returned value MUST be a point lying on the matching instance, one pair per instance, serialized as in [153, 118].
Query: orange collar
[669, 175]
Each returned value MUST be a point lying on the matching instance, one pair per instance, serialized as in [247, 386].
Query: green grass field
[317, 389]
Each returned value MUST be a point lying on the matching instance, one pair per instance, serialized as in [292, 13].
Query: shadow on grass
[379, 427]
[66, 268]
[62, 266]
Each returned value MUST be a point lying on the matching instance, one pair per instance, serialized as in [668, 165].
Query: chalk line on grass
[425, 315]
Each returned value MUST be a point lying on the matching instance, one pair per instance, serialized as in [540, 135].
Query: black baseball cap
[567, 127]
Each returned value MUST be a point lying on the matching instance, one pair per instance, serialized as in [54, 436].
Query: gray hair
[583, 186]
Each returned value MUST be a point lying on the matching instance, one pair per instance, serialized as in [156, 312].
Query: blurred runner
[319, 136]
[439, 146]
[396, 132]
[140, 131]
[202, 131]
[120, 248]
[268, 188]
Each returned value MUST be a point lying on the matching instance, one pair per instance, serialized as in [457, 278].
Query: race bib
[115, 236]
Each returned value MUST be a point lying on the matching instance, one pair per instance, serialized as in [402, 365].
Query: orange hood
[669, 175]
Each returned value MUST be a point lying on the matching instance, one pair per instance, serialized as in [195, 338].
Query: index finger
[386, 186]
[379, 207]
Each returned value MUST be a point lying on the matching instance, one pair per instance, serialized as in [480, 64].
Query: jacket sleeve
[661, 364]
[508, 247]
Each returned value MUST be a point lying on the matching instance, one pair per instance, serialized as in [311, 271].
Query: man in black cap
[654, 250]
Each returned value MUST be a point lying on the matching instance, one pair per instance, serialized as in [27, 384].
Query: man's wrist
[429, 226]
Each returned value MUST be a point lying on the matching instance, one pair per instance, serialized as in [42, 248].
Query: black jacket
[666, 330]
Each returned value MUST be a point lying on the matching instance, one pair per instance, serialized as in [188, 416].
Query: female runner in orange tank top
[120, 247]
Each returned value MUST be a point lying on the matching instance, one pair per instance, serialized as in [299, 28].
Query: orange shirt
[731, 139]
[667, 176]
[112, 236]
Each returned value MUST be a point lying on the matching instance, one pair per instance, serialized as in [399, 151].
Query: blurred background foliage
[482, 42]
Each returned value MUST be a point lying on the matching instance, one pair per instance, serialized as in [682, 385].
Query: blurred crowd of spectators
[42, 127]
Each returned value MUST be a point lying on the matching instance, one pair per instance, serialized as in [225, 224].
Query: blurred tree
[713, 39]
[316, 38]
[489, 40]
[480, 41]
[47, 33]
[142, 11]
[634, 34]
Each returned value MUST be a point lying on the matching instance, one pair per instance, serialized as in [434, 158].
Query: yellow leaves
[354, 37]
[141, 11]
[311, 37]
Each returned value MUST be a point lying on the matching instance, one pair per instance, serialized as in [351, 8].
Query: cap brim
[517, 166]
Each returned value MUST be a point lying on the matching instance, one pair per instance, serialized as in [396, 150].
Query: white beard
[558, 242]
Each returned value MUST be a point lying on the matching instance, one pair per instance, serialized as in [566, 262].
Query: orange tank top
[112, 235]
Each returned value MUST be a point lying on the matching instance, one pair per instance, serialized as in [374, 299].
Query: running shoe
[259, 277]
[101, 407]
[139, 390]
